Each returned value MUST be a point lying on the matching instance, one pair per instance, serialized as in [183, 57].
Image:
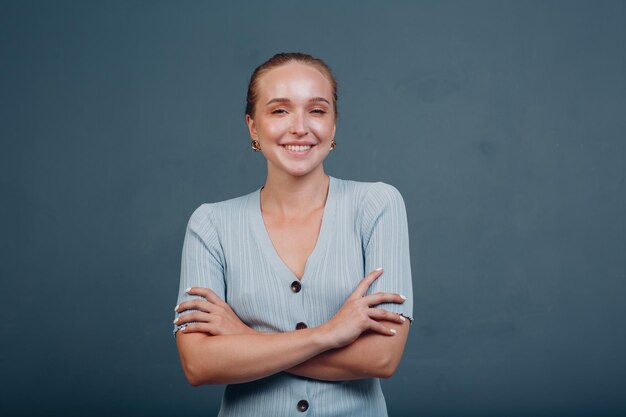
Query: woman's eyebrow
[278, 100]
[317, 99]
[286, 100]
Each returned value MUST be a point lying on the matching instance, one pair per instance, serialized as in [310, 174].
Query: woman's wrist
[250, 330]
[324, 338]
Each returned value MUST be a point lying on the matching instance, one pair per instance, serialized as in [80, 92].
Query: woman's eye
[318, 111]
[279, 111]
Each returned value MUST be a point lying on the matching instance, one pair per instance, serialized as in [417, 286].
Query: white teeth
[298, 148]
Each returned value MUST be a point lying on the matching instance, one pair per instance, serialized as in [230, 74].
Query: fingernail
[188, 289]
[393, 331]
[176, 320]
[402, 317]
[403, 297]
[378, 269]
[176, 308]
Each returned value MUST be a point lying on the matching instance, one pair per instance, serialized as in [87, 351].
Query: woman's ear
[251, 127]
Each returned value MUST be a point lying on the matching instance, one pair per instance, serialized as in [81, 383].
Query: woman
[272, 297]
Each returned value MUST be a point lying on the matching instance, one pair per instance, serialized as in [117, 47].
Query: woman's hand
[357, 316]
[214, 316]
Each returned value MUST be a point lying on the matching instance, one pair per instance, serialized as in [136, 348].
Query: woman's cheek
[276, 129]
[323, 133]
[323, 127]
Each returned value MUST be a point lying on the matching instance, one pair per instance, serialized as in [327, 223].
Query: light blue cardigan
[227, 248]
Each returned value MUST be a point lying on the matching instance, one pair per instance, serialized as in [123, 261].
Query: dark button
[303, 405]
[301, 325]
[296, 286]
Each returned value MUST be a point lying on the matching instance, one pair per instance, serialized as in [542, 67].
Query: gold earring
[256, 146]
[333, 144]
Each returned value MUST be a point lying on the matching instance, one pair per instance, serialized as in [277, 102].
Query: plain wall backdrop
[502, 123]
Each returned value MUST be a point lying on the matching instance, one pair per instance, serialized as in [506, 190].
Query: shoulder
[370, 193]
[383, 193]
[376, 203]
[210, 214]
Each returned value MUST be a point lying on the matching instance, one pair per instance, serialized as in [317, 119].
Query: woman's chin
[299, 170]
[295, 168]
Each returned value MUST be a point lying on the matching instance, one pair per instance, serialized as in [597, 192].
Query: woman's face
[294, 120]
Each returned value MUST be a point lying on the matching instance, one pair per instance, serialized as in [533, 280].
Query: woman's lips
[298, 149]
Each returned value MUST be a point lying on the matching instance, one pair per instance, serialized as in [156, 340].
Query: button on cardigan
[227, 248]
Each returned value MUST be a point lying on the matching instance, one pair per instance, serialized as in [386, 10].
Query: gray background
[502, 124]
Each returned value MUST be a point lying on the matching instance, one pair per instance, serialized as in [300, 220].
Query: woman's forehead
[294, 79]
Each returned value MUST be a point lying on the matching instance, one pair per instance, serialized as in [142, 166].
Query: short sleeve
[202, 258]
[385, 238]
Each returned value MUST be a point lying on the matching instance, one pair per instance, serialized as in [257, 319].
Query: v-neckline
[268, 247]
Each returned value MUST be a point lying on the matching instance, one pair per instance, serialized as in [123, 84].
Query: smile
[298, 148]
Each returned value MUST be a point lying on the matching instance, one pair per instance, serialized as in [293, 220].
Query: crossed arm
[371, 355]
[358, 342]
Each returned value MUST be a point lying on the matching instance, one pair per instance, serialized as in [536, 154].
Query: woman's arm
[252, 357]
[233, 358]
[227, 359]
[371, 355]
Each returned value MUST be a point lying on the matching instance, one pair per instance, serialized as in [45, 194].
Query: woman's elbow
[387, 366]
[193, 381]
[192, 377]
[199, 376]
[198, 371]
[191, 373]
[386, 373]
[392, 352]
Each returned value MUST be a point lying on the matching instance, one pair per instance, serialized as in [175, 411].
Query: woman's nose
[298, 125]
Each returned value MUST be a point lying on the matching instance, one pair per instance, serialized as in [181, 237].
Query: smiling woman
[294, 121]
[273, 300]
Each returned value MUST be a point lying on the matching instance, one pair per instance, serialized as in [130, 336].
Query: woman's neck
[289, 196]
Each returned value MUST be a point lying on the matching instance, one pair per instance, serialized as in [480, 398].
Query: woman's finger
[201, 291]
[384, 297]
[194, 316]
[206, 293]
[214, 298]
[201, 305]
[382, 329]
[365, 283]
[197, 328]
[380, 314]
